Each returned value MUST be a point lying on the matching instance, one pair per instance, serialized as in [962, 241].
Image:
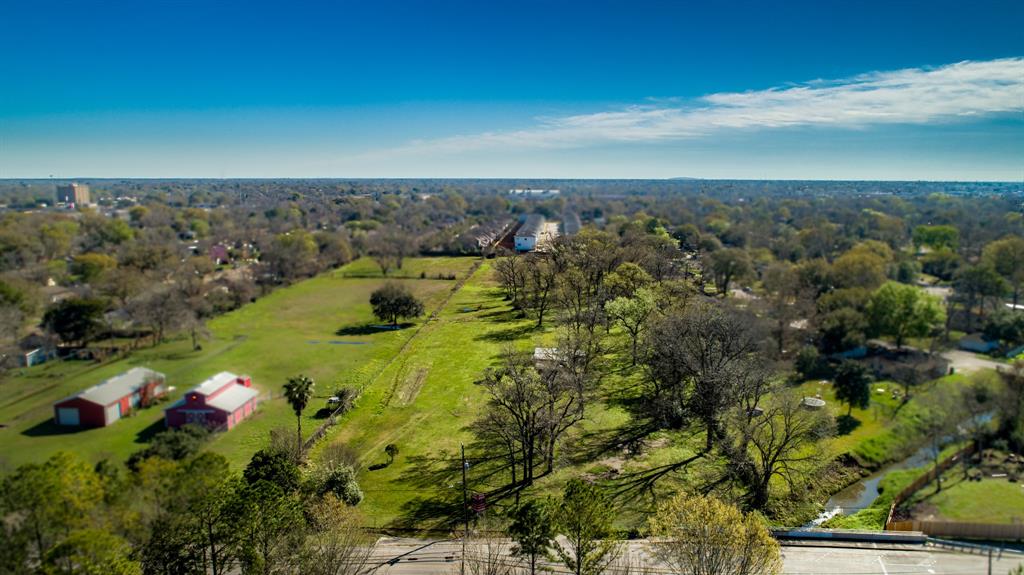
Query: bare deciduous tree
[776, 443]
[335, 544]
[541, 282]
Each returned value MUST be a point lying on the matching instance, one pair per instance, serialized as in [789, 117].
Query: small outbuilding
[976, 342]
[221, 401]
[110, 400]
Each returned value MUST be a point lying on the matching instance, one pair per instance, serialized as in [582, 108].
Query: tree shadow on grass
[439, 480]
[146, 435]
[845, 424]
[50, 427]
[502, 315]
[441, 512]
[510, 334]
[323, 413]
[595, 445]
[370, 328]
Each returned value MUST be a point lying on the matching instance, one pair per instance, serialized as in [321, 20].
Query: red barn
[110, 400]
[221, 401]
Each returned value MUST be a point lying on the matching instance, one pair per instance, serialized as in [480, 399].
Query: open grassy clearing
[425, 401]
[285, 333]
[422, 399]
[888, 429]
[991, 500]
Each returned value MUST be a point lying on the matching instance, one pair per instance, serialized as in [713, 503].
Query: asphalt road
[421, 557]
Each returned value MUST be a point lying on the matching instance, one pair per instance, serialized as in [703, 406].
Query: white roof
[233, 397]
[213, 383]
[545, 353]
[113, 389]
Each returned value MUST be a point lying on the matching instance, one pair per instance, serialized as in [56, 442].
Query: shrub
[172, 444]
[337, 479]
[277, 467]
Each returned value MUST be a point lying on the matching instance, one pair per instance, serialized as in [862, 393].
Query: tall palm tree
[298, 390]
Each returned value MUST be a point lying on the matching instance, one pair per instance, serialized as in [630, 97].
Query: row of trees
[689, 534]
[702, 364]
[187, 516]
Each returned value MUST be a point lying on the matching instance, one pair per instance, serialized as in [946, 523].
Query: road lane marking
[882, 563]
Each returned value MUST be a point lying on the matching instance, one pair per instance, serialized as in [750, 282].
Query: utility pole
[465, 509]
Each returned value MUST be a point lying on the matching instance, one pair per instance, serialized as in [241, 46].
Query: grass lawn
[888, 429]
[425, 401]
[288, 332]
[861, 423]
[991, 500]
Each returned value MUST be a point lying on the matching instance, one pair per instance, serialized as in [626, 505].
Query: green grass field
[888, 429]
[991, 500]
[425, 400]
[418, 391]
[270, 339]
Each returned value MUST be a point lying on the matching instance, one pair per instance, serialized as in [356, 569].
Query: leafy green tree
[626, 280]
[271, 525]
[173, 444]
[853, 385]
[57, 238]
[335, 479]
[391, 450]
[75, 320]
[902, 311]
[975, 285]
[701, 535]
[1006, 256]
[51, 500]
[941, 263]
[842, 329]
[93, 552]
[863, 266]
[584, 517]
[532, 529]
[91, 266]
[632, 314]
[16, 296]
[726, 265]
[298, 391]
[937, 237]
[392, 302]
[211, 508]
[273, 466]
[291, 255]
[1006, 326]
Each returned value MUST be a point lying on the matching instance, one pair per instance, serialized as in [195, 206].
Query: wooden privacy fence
[994, 531]
[998, 531]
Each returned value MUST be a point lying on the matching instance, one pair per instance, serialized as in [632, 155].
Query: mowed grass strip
[283, 334]
[444, 361]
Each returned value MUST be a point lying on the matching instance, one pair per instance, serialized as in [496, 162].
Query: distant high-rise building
[73, 193]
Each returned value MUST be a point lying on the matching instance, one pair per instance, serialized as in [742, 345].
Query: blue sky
[719, 89]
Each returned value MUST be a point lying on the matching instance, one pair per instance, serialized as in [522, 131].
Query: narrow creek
[860, 494]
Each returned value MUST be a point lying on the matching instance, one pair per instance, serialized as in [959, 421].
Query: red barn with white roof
[111, 399]
[221, 401]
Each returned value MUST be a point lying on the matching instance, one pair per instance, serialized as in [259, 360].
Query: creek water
[859, 495]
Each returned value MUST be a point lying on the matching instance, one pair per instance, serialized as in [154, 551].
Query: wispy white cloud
[908, 96]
